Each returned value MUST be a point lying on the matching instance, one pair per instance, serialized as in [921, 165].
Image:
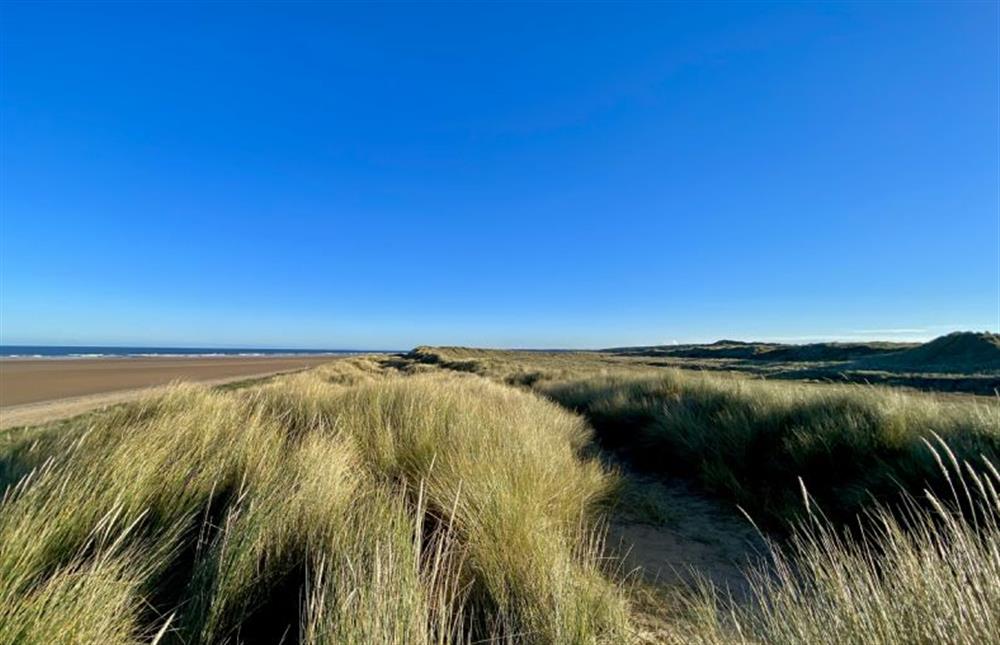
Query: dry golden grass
[334, 506]
[923, 576]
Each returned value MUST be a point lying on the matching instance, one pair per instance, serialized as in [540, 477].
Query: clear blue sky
[380, 176]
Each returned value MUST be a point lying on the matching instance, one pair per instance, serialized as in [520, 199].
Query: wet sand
[35, 390]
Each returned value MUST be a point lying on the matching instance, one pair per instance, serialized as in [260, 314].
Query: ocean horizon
[110, 351]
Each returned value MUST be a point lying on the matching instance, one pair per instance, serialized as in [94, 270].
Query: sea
[98, 351]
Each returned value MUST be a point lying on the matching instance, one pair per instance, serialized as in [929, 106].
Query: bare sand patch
[702, 537]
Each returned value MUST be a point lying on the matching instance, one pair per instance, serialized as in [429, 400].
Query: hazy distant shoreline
[19, 352]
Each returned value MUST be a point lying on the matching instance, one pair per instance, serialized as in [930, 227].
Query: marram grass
[319, 508]
[928, 574]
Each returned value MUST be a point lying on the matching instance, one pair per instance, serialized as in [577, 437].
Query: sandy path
[699, 535]
[696, 537]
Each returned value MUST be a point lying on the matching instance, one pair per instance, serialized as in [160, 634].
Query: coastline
[33, 390]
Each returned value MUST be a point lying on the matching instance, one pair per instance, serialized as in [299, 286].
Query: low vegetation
[454, 495]
[958, 352]
[771, 352]
[957, 362]
[753, 441]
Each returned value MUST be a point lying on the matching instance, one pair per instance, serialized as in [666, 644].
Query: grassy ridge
[958, 352]
[958, 362]
[331, 506]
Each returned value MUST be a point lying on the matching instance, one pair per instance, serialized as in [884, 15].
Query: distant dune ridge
[772, 351]
[959, 352]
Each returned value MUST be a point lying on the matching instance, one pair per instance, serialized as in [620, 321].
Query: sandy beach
[38, 390]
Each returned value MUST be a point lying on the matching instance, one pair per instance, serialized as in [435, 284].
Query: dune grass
[330, 506]
[926, 573]
[754, 441]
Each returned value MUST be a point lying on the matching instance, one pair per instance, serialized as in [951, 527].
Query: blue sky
[381, 176]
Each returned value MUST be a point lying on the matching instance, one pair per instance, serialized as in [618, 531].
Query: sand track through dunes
[697, 536]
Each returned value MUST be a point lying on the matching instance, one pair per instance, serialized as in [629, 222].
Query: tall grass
[928, 575]
[333, 506]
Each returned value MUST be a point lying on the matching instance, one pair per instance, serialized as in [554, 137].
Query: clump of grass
[383, 583]
[95, 596]
[927, 575]
[475, 450]
[338, 505]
